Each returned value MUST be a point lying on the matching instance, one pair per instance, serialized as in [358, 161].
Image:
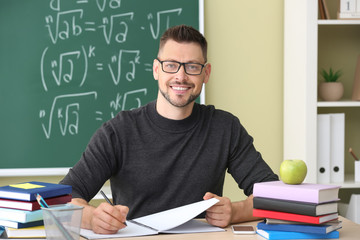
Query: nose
[181, 74]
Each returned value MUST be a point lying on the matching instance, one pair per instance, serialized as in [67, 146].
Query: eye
[170, 65]
[193, 67]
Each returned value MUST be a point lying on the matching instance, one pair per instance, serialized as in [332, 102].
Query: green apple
[293, 171]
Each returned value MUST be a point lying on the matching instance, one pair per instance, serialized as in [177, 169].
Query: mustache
[183, 83]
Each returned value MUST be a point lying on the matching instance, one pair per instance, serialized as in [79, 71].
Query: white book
[347, 6]
[31, 232]
[323, 148]
[337, 147]
[176, 220]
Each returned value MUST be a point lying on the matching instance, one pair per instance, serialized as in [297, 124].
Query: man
[170, 152]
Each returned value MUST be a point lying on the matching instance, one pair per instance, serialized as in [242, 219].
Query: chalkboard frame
[55, 171]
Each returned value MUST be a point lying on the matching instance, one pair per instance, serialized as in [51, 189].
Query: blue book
[275, 235]
[305, 228]
[13, 224]
[27, 191]
[20, 215]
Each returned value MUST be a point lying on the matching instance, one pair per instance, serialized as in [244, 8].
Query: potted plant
[331, 89]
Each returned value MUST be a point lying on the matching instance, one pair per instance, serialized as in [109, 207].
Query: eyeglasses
[174, 67]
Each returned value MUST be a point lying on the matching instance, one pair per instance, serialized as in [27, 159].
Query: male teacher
[170, 152]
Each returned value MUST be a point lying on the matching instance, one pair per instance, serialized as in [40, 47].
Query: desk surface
[349, 231]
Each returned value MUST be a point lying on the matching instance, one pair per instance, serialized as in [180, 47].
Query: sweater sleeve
[95, 165]
[246, 164]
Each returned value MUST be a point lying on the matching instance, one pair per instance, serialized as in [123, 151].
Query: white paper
[194, 226]
[172, 218]
[131, 230]
[176, 220]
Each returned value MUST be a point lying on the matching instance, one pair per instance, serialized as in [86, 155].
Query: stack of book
[303, 211]
[20, 213]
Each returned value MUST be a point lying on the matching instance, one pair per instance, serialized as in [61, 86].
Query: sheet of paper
[194, 226]
[166, 220]
[175, 217]
[131, 230]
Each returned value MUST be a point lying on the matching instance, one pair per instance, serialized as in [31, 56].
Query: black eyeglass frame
[181, 64]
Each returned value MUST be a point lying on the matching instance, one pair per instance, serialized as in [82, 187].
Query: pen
[108, 200]
[41, 201]
[353, 154]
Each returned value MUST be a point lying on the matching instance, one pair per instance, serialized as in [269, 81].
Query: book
[13, 224]
[33, 205]
[294, 217]
[20, 215]
[305, 192]
[310, 209]
[306, 228]
[324, 13]
[321, 10]
[27, 191]
[31, 232]
[176, 220]
[278, 221]
[274, 235]
[327, 15]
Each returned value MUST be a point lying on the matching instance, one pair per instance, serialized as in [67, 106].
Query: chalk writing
[68, 65]
[131, 100]
[116, 22]
[62, 69]
[162, 21]
[117, 60]
[65, 125]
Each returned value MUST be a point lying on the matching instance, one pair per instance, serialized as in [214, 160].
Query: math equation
[98, 60]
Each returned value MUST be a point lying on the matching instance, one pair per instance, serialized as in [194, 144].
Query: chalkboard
[68, 66]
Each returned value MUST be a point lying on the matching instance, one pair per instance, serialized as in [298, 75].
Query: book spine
[20, 215]
[292, 228]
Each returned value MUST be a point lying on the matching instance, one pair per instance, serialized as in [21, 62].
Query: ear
[156, 69]
[207, 70]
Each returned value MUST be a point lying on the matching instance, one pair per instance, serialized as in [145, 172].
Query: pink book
[305, 192]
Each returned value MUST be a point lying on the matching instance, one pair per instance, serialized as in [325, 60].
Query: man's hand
[225, 212]
[105, 219]
[221, 213]
[108, 219]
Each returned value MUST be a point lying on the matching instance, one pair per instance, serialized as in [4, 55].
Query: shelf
[345, 103]
[339, 22]
[349, 182]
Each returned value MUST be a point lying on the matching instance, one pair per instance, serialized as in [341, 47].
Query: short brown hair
[183, 33]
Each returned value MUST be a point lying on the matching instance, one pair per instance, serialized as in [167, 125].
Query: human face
[180, 89]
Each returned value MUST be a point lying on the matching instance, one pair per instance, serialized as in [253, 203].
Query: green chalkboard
[68, 66]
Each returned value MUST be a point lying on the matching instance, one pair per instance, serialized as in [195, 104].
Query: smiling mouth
[180, 88]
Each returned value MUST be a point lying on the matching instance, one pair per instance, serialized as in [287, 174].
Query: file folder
[337, 147]
[323, 148]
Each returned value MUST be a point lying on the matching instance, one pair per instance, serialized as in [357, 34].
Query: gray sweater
[155, 163]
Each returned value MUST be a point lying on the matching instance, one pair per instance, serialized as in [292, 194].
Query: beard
[182, 102]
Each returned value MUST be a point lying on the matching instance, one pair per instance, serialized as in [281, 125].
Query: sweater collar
[171, 125]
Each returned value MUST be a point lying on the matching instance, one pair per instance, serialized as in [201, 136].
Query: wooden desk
[350, 231]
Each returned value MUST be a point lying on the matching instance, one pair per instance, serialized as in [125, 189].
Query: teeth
[180, 88]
